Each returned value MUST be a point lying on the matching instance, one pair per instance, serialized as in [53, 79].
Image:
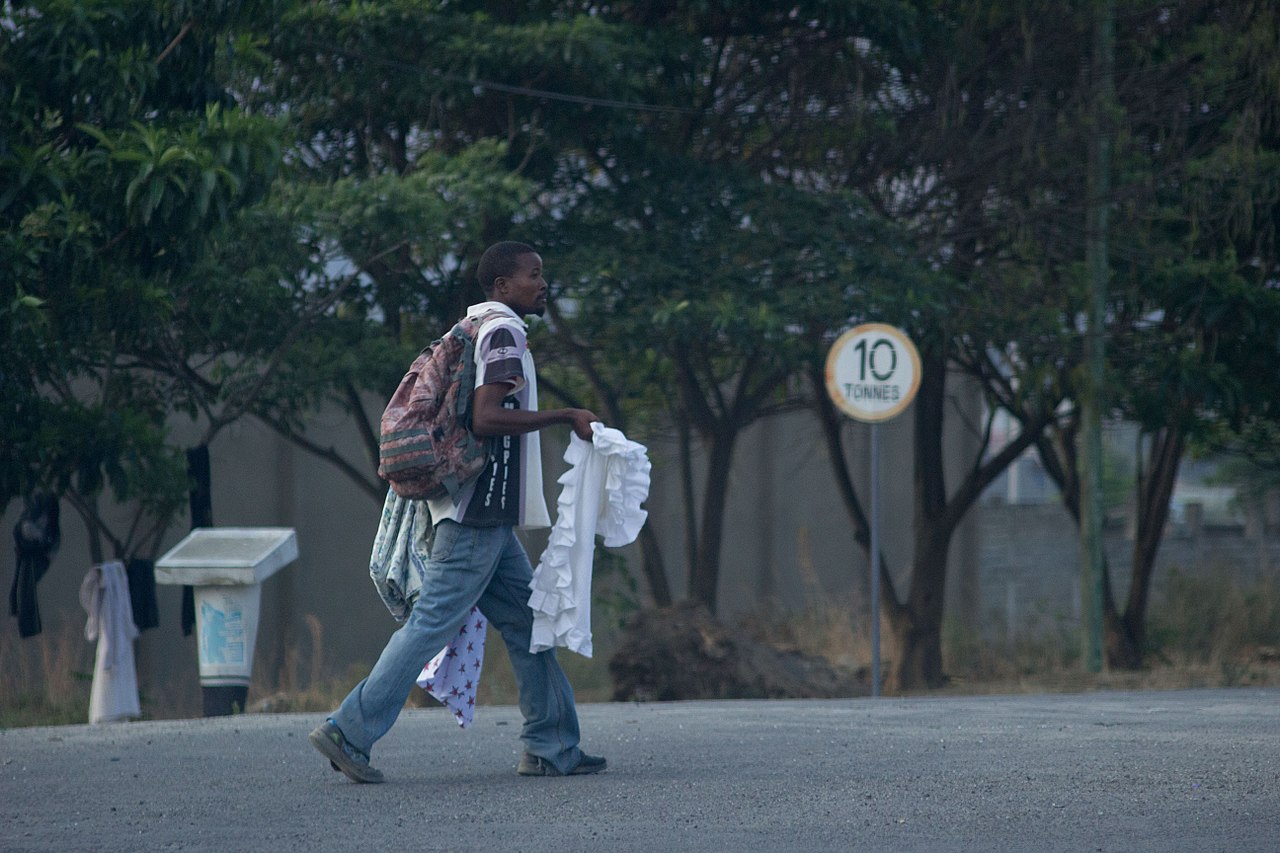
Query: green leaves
[176, 180]
[119, 169]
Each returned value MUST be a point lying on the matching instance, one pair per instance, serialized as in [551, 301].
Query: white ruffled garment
[600, 494]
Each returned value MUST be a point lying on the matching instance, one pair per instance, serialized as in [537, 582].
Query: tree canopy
[255, 209]
[121, 159]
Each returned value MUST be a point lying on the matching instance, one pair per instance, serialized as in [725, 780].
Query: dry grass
[306, 684]
[834, 629]
[45, 679]
[1203, 632]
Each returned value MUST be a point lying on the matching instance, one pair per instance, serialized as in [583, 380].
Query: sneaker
[532, 765]
[329, 739]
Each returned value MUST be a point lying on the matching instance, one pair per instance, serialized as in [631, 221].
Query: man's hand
[581, 423]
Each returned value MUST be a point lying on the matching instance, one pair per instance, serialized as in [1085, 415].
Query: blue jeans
[469, 566]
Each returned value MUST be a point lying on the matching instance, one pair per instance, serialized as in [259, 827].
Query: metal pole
[1092, 555]
[875, 559]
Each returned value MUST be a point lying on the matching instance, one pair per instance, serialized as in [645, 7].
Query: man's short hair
[500, 260]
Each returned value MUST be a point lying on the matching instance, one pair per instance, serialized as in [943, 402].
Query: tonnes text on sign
[873, 372]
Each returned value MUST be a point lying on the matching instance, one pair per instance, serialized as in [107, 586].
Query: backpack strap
[468, 378]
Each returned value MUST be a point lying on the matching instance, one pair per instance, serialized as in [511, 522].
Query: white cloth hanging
[453, 675]
[104, 594]
[601, 493]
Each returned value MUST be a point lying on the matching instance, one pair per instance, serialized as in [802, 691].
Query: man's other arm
[489, 417]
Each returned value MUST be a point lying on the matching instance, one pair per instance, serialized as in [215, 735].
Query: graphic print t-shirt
[496, 499]
[509, 490]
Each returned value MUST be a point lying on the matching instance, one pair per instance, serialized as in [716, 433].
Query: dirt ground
[682, 653]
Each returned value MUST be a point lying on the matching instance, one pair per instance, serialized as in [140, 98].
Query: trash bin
[226, 566]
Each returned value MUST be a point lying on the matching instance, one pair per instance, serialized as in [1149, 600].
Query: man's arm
[489, 417]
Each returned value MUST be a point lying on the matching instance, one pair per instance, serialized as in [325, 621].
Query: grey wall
[1030, 572]
[788, 545]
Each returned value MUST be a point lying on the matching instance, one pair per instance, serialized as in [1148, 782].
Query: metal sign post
[875, 559]
[872, 375]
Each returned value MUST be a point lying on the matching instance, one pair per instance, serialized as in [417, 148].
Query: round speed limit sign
[873, 372]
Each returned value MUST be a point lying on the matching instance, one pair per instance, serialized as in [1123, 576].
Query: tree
[963, 144]
[701, 239]
[709, 281]
[403, 169]
[983, 165]
[1193, 313]
[121, 158]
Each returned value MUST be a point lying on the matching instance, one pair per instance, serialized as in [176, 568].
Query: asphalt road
[1186, 770]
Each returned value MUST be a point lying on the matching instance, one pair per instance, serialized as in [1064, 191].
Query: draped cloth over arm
[401, 549]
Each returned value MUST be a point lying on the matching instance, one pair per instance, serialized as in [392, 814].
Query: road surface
[1195, 770]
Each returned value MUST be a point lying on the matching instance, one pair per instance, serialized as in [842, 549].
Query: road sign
[873, 372]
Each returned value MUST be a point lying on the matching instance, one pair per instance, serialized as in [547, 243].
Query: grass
[45, 680]
[304, 684]
[1203, 631]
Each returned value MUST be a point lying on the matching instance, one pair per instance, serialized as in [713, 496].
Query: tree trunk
[686, 492]
[201, 505]
[831, 421]
[1121, 643]
[704, 576]
[919, 637]
[655, 569]
[919, 663]
[96, 553]
[1126, 634]
[916, 626]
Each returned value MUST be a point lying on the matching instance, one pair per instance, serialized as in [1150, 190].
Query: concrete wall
[788, 542]
[1030, 564]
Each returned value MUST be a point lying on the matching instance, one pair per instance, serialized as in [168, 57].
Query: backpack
[426, 449]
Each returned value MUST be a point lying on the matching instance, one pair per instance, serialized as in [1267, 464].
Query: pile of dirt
[683, 652]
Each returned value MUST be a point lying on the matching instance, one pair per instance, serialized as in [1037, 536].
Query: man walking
[475, 557]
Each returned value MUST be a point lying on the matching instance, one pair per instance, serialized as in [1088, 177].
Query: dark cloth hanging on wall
[201, 516]
[142, 593]
[35, 538]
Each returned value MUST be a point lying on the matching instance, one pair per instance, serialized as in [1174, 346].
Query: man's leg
[546, 699]
[463, 559]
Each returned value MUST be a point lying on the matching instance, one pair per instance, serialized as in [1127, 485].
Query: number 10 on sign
[873, 373]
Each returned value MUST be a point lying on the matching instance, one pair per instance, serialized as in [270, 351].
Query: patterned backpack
[426, 449]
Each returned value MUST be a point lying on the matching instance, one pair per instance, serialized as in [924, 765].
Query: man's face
[525, 290]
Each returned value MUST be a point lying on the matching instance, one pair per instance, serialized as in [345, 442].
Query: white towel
[104, 594]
